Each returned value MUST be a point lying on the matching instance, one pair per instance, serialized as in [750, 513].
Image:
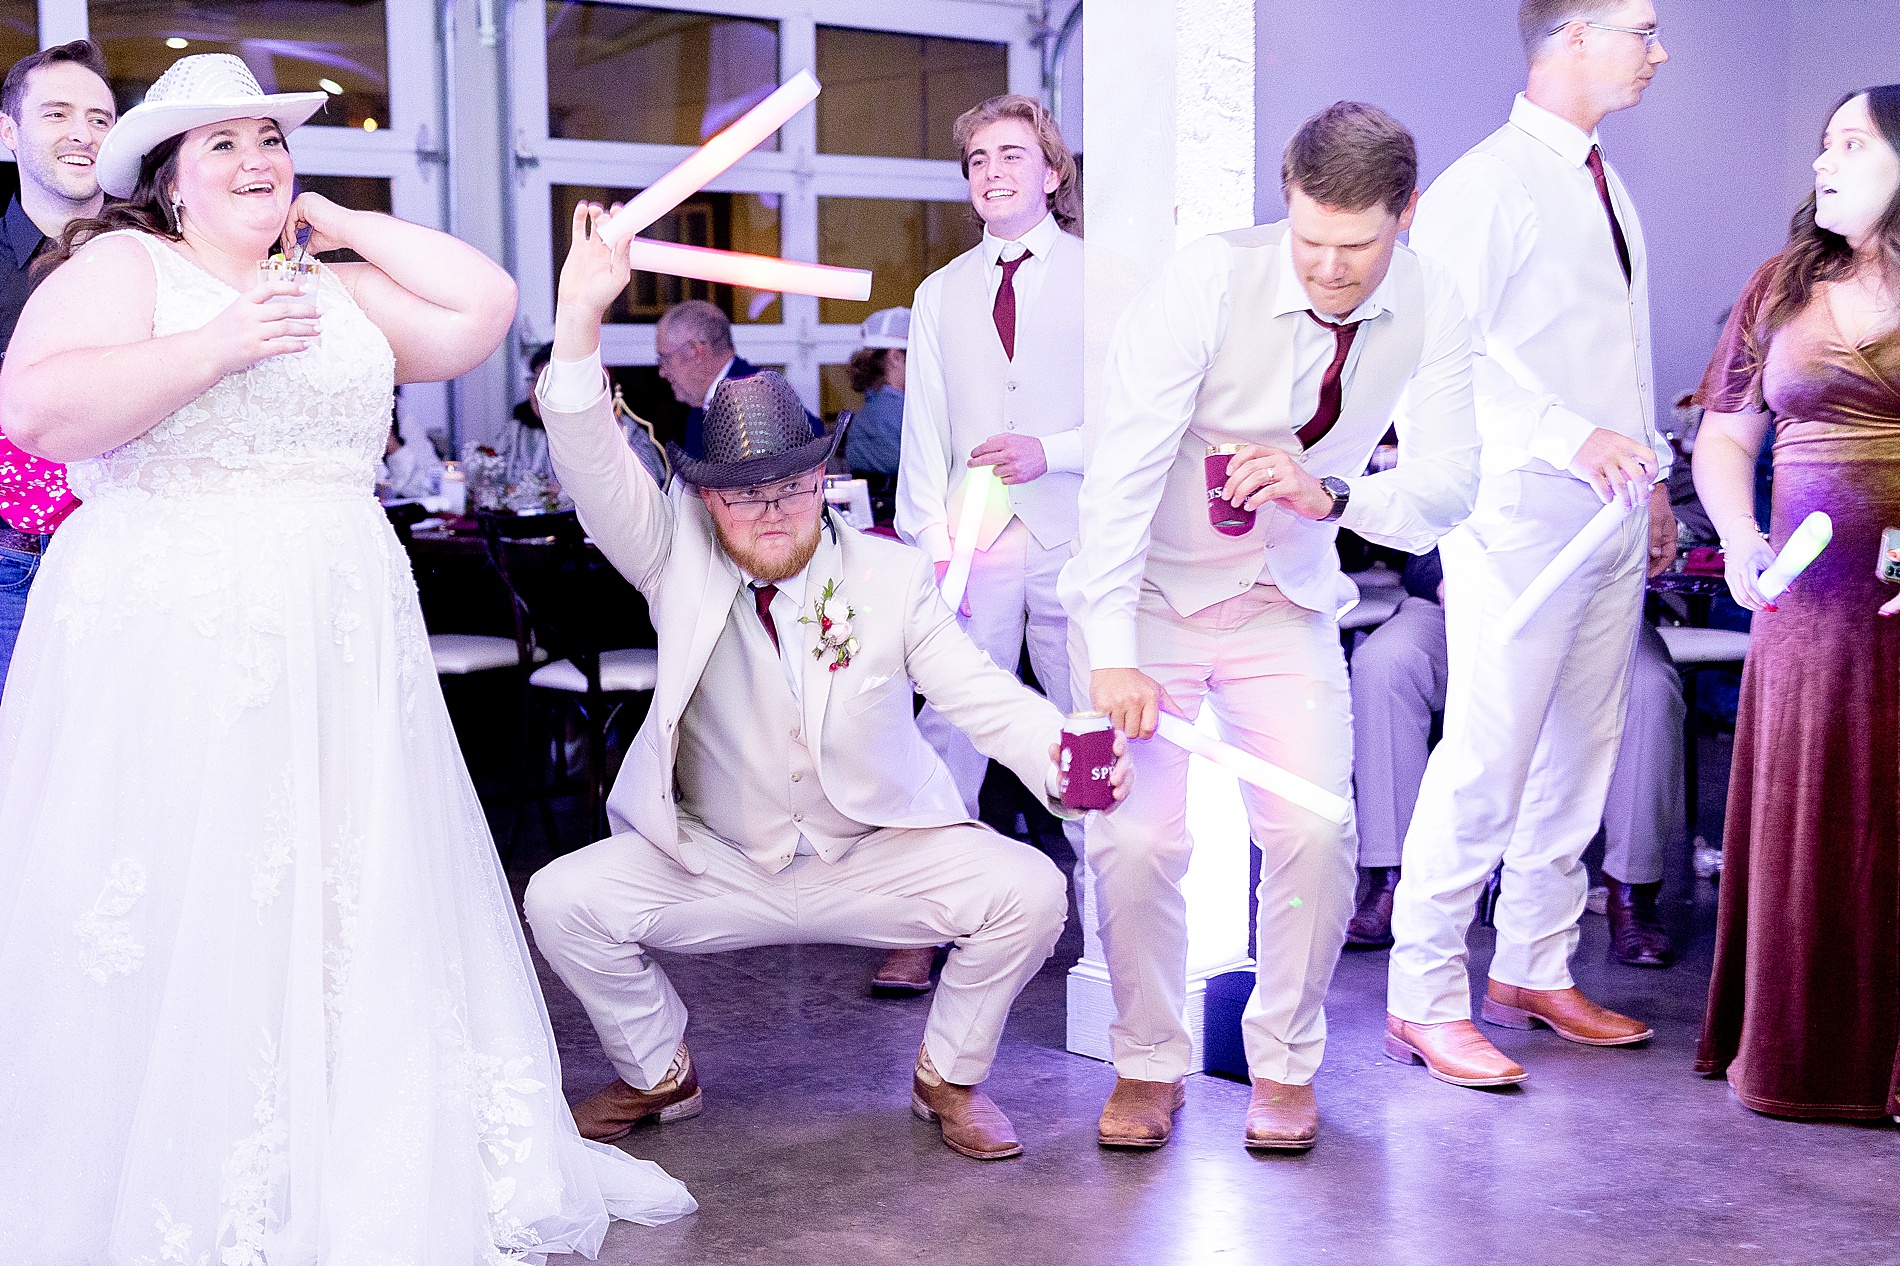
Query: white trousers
[1276, 679]
[1398, 681]
[1012, 601]
[1000, 904]
[1531, 735]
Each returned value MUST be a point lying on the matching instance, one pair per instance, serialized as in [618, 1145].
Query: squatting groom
[779, 791]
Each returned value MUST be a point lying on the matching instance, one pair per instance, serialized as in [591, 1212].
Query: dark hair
[1538, 20]
[78, 52]
[1351, 156]
[147, 209]
[539, 357]
[1814, 254]
[870, 368]
[1066, 202]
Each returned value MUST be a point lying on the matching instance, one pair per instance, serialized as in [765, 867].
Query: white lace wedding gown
[264, 998]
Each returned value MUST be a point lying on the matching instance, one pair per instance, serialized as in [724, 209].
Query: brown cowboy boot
[1140, 1113]
[1371, 926]
[1281, 1117]
[905, 971]
[1637, 935]
[1453, 1051]
[971, 1122]
[1565, 1012]
[612, 1113]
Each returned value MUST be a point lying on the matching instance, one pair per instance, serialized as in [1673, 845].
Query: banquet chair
[464, 654]
[584, 614]
[1697, 651]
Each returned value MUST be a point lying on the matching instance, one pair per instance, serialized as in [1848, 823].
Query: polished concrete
[807, 1152]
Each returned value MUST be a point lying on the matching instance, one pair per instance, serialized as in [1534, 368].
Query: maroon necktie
[1330, 391]
[1595, 163]
[762, 598]
[1005, 309]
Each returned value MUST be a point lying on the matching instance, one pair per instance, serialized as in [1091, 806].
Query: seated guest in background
[693, 342]
[53, 105]
[1294, 342]
[410, 471]
[779, 791]
[525, 448]
[1398, 682]
[877, 373]
[1803, 1013]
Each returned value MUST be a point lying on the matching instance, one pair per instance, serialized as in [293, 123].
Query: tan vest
[1246, 398]
[743, 768]
[1039, 393]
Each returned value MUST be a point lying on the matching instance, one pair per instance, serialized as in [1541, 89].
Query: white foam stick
[760, 272]
[710, 161]
[1804, 545]
[1601, 527]
[976, 495]
[1251, 769]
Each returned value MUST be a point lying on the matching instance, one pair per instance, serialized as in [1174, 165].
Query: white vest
[1246, 397]
[1039, 393]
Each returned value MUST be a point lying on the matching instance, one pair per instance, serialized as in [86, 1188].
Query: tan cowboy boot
[1281, 1117]
[905, 971]
[1566, 1012]
[612, 1113]
[1453, 1052]
[1140, 1113]
[971, 1122]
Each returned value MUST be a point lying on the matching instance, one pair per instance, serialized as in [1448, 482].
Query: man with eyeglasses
[779, 791]
[693, 346]
[1547, 250]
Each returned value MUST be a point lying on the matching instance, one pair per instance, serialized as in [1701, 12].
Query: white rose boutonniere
[834, 630]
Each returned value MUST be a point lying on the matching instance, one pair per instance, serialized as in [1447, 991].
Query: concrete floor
[807, 1153]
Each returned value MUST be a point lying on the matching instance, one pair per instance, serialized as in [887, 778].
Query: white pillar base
[1092, 1009]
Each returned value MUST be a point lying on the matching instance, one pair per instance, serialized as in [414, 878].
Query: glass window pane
[727, 221]
[898, 95]
[19, 30]
[358, 193]
[900, 241]
[340, 46]
[621, 73]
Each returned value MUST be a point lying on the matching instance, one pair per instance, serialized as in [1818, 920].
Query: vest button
[794, 731]
[798, 817]
[798, 777]
[1012, 386]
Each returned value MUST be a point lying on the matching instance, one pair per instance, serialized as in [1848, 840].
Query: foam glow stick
[1804, 545]
[1599, 529]
[760, 272]
[710, 161]
[976, 495]
[1251, 769]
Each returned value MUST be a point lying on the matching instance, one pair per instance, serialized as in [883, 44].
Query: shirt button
[794, 731]
[797, 777]
[1012, 386]
[798, 817]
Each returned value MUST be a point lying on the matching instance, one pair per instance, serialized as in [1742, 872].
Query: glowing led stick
[1804, 545]
[976, 495]
[1251, 769]
[1599, 529]
[710, 161]
[760, 272]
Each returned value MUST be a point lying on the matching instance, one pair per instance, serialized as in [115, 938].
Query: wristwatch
[1341, 493]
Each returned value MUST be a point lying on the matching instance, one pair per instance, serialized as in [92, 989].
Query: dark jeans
[16, 577]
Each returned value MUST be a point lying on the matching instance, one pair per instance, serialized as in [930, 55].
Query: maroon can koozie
[1088, 758]
[1228, 519]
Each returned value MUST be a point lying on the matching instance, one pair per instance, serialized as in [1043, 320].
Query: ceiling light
[177, 41]
[331, 86]
[369, 125]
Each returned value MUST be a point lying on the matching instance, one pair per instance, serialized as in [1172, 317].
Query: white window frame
[407, 150]
[796, 172]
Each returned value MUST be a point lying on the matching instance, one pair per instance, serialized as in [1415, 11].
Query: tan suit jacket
[873, 764]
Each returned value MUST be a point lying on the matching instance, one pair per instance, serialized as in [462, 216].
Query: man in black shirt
[55, 109]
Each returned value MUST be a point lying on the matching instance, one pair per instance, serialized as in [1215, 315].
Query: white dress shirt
[717, 379]
[922, 494]
[1161, 352]
[1562, 338]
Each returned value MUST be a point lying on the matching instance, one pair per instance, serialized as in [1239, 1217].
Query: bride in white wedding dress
[264, 997]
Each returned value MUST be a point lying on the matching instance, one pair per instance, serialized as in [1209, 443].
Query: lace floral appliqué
[110, 948]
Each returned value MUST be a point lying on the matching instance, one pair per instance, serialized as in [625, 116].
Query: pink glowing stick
[707, 163]
[1251, 769]
[1804, 545]
[976, 494]
[759, 272]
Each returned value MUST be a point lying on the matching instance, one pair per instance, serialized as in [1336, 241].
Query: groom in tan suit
[779, 791]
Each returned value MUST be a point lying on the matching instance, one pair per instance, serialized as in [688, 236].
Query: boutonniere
[834, 631]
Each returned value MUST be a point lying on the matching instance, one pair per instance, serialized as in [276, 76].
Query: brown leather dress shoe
[613, 1113]
[1140, 1113]
[1371, 926]
[1454, 1052]
[1637, 935]
[1566, 1012]
[1281, 1117]
[906, 971]
[971, 1123]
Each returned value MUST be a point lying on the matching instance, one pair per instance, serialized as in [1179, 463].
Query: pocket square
[872, 683]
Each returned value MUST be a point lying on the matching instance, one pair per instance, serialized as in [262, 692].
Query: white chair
[459, 654]
[1376, 579]
[1375, 607]
[633, 670]
[1695, 652]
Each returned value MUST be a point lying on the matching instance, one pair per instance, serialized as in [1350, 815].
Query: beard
[762, 566]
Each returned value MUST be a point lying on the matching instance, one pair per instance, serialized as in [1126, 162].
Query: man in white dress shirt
[1295, 340]
[1549, 254]
[994, 378]
[779, 791]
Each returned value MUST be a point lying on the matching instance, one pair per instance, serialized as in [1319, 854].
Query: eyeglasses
[751, 504]
[681, 350]
[1652, 36]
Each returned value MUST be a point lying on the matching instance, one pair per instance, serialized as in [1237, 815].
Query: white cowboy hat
[197, 90]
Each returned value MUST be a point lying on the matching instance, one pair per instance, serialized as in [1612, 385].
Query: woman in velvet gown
[1804, 1006]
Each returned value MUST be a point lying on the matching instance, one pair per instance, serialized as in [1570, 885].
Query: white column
[1168, 106]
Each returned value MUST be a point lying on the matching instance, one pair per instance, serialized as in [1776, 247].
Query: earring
[178, 214]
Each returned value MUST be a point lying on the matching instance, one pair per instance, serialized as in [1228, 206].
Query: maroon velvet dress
[1804, 1006]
